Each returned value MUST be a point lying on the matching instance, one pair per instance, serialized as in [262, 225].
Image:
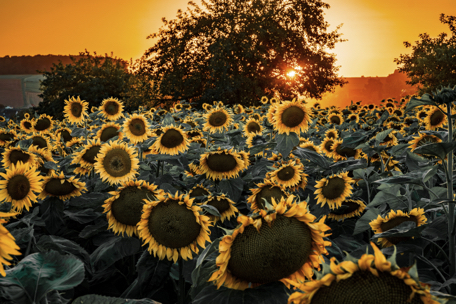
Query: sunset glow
[291, 74]
[375, 30]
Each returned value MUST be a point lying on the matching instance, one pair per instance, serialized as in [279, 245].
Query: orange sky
[375, 29]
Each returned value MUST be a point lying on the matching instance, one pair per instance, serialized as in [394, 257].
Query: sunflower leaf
[408, 178]
[405, 229]
[437, 149]
[312, 156]
[415, 102]
[286, 143]
[362, 224]
[380, 137]
[211, 209]
[113, 250]
[232, 188]
[78, 132]
[39, 273]
[97, 299]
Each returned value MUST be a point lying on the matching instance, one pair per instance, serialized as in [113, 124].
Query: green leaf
[437, 149]
[232, 188]
[354, 139]
[39, 273]
[429, 173]
[143, 166]
[405, 229]
[51, 165]
[312, 156]
[380, 137]
[415, 102]
[400, 149]
[97, 299]
[408, 178]
[78, 132]
[391, 197]
[286, 143]
[210, 209]
[113, 250]
[262, 147]
[362, 224]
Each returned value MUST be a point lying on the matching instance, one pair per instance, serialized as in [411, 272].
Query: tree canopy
[93, 78]
[432, 62]
[237, 51]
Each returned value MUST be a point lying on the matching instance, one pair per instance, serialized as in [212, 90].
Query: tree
[93, 78]
[237, 51]
[432, 62]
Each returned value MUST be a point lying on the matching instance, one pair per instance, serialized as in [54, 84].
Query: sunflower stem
[29, 247]
[181, 282]
[158, 168]
[451, 233]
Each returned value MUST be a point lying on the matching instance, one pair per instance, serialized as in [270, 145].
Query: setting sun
[291, 74]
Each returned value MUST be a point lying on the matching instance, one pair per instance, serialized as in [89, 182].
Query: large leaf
[312, 156]
[39, 273]
[97, 299]
[405, 229]
[286, 143]
[52, 212]
[408, 178]
[436, 149]
[232, 188]
[152, 274]
[415, 102]
[113, 250]
[362, 224]
[380, 137]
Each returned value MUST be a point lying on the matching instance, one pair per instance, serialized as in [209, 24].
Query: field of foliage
[279, 203]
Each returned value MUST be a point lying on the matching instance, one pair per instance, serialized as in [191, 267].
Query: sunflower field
[279, 203]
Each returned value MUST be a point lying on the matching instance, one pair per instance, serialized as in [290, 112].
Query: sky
[375, 30]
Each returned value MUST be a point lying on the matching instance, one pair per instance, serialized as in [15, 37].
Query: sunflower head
[224, 205]
[57, 185]
[349, 208]
[265, 192]
[252, 126]
[109, 131]
[171, 141]
[44, 123]
[172, 227]
[217, 120]
[221, 164]
[284, 245]
[435, 119]
[75, 110]
[333, 190]
[291, 116]
[111, 108]
[136, 128]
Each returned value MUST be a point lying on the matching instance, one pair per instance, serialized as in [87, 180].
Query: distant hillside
[28, 65]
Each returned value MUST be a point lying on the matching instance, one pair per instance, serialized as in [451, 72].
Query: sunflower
[343, 153]
[335, 119]
[109, 131]
[393, 219]
[287, 173]
[267, 190]
[173, 227]
[333, 190]
[27, 125]
[123, 209]
[2, 119]
[201, 141]
[224, 205]
[370, 279]
[111, 108]
[6, 136]
[63, 134]
[8, 245]
[422, 114]
[75, 110]
[207, 106]
[435, 119]
[44, 123]
[199, 190]
[349, 208]
[86, 157]
[221, 164]
[423, 139]
[252, 126]
[271, 113]
[75, 143]
[19, 184]
[332, 133]
[116, 162]
[217, 120]
[353, 117]
[172, 141]
[264, 100]
[43, 156]
[42, 141]
[136, 128]
[57, 185]
[192, 123]
[292, 116]
[13, 155]
[309, 145]
[282, 246]
[326, 146]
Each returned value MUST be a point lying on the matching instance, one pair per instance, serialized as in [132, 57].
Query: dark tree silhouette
[432, 62]
[237, 51]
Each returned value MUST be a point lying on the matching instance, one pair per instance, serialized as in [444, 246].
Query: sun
[291, 74]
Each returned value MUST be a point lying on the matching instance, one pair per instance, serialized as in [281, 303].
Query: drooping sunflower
[109, 131]
[393, 219]
[6, 136]
[173, 227]
[136, 128]
[333, 190]
[309, 145]
[41, 141]
[123, 209]
[221, 164]
[13, 155]
[201, 141]
[343, 153]
[63, 134]
[335, 119]
[27, 125]
[423, 139]
[86, 157]
[435, 119]
[111, 108]
[421, 115]
[172, 141]
[8, 245]
[199, 190]
[349, 208]
[370, 279]
[42, 156]
[292, 116]
[282, 246]
[224, 205]
[116, 162]
[267, 190]
[44, 123]
[57, 185]
[217, 120]
[75, 110]
[252, 126]
[20, 183]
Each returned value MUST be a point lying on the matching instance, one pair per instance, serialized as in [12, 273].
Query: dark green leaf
[82, 216]
[408, 178]
[97, 299]
[90, 199]
[312, 156]
[91, 230]
[210, 209]
[52, 213]
[39, 273]
[263, 147]
[380, 137]
[415, 102]
[78, 132]
[285, 143]
[51, 165]
[429, 173]
[405, 229]
[363, 222]
[437, 149]
[113, 250]
[232, 188]
[400, 149]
